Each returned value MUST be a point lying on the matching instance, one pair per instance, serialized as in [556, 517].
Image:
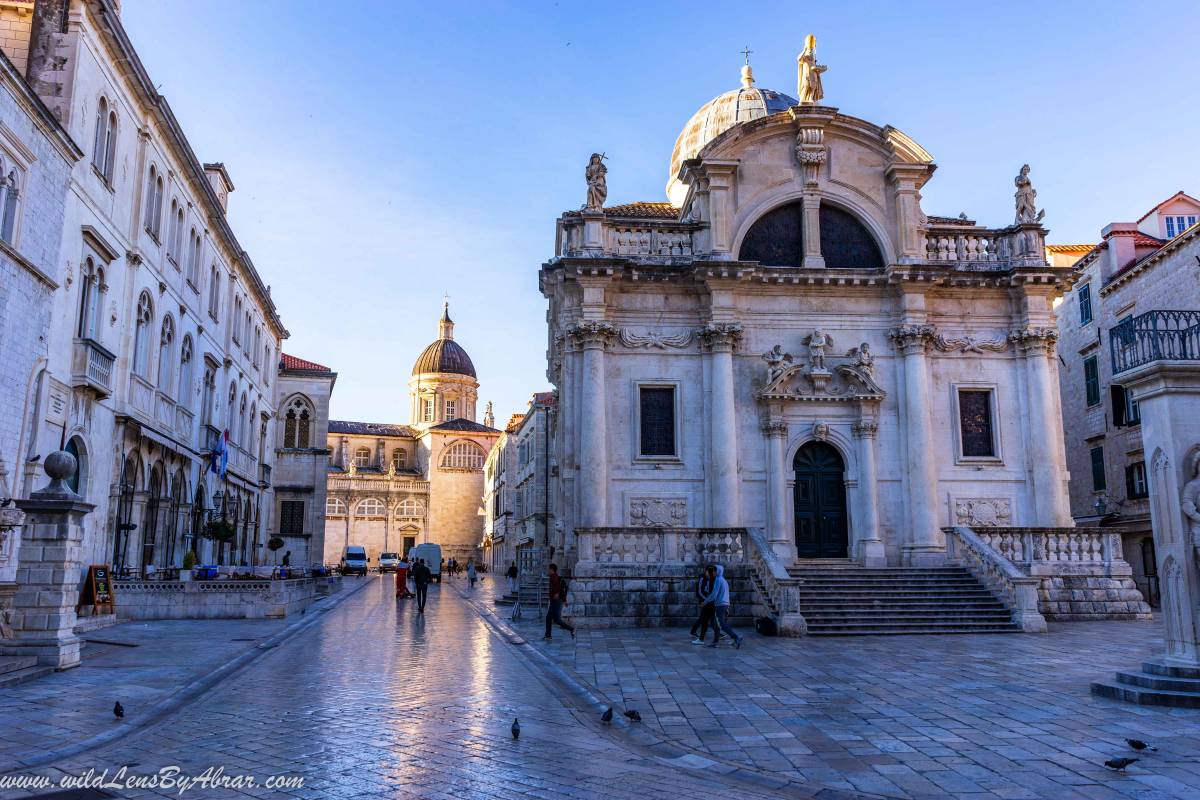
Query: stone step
[1170, 670]
[15, 663]
[22, 675]
[1148, 680]
[844, 596]
[901, 613]
[901, 603]
[909, 630]
[1146, 697]
[909, 620]
[881, 571]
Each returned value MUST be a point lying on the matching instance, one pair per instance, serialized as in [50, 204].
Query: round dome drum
[444, 355]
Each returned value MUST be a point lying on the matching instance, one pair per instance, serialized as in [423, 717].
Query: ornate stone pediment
[843, 383]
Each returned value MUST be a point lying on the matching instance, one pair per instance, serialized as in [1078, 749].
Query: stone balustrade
[650, 239]
[781, 590]
[376, 485]
[1017, 589]
[691, 546]
[220, 599]
[1081, 573]
[976, 247]
[92, 366]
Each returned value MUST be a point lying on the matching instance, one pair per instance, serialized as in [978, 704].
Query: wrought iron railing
[1155, 336]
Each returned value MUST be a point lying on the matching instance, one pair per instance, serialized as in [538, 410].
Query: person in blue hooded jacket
[719, 597]
[707, 611]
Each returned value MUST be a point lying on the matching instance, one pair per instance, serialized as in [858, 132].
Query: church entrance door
[820, 502]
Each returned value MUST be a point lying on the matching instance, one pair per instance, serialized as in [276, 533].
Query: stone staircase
[838, 598]
[18, 669]
[1156, 685]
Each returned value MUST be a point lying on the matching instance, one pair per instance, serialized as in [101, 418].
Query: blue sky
[387, 153]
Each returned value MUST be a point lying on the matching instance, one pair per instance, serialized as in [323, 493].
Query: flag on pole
[219, 458]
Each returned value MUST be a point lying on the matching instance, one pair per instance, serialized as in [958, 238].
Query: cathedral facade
[790, 345]
[393, 486]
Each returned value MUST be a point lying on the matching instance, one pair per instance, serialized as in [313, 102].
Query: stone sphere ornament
[60, 466]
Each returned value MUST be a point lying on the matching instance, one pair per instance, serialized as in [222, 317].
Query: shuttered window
[975, 423]
[1091, 380]
[1099, 484]
[657, 418]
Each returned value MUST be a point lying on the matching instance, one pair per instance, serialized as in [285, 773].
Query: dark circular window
[777, 239]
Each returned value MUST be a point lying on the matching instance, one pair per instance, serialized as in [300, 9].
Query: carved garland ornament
[656, 339]
[969, 344]
[658, 512]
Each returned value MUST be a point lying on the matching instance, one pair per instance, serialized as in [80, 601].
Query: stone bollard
[49, 569]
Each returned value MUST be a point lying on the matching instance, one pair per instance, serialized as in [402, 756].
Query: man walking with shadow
[558, 595]
[422, 575]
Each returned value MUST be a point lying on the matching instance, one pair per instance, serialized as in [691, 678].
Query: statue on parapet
[777, 362]
[808, 78]
[597, 183]
[1026, 197]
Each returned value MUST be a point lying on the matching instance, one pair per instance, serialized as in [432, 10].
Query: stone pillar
[719, 339]
[779, 532]
[48, 575]
[812, 231]
[870, 545]
[593, 338]
[926, 546]
[1046, 436]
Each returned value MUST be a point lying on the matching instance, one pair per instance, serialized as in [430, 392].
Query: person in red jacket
[558, 595]
[402, 579]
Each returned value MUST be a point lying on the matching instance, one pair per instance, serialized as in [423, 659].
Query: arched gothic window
[104, 151]
[297, 425]
[334, 507]
[154, 201]
[371, 507]
[193, 267]
[214, 292]
[177, 235]
[185, 373]
[242, 433]
[229, 411]
[463, 455]
[141, 338]
[400, 458]
[10, 197]
[362, 457]
[78, 481]
[410, 507]
[91, 299]
[209, 399]
[166, 364]
[237, 320]
[251, 424]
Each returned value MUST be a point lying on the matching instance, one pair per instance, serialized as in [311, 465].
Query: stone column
[1046, 435]
[810, 154]
[592, 338]
[926, 545]
[779, 532]
[870, 545]
[812, 231]
[48, 574]
[719, 339]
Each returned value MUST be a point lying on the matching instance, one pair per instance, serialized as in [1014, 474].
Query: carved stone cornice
[775, 428]
[1031, 340]
[721, 335]
[969, 344]
[913, 339]
[656, 339]
[592, 333]
[865, 429]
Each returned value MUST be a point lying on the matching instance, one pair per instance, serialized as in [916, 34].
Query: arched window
[371, 507]
[251, 423]
[193, 267]
[10, 197]
[267, 365]
[237, 320]
[777, 239]
[410, 507]
[463, 455]
[104, 152]
[185, 373]
[362, 457]
[257, 342]
[334, 507]
[171, 231]
[141, 338]
[400, 458]
[209, 398]
[246, 334]
[229, 411]
[91, 297]
[154, 199]
[177, 236]
[297, 424]
[166, 364]
[78, 481]
[214, 292]
[242, 433]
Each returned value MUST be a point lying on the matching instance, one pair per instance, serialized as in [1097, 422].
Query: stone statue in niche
[777, 362]
[808, 78]
[597, 183]
[817, 343]
[1189, 501]
[1026, 198]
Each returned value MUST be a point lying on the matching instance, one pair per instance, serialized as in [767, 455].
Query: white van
[432, 553]
[354, 560]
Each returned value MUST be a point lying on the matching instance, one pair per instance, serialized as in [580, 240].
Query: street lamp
[1101, 507]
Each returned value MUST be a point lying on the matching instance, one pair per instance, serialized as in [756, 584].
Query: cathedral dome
[717, 116]
[445, 354]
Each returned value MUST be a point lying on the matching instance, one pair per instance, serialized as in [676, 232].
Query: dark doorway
[820, 502]
[409, 543]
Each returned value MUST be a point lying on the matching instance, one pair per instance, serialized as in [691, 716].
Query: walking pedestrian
[422, 575]
[402, 579]
[719, 597]
[287, 558]
[511, 575]
[704, 585]
[471, 572]
[558, 595]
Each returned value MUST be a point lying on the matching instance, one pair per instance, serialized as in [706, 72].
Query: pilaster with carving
[865, 429]
[810, 154]
[913, 339]
[1032, 341]
[592, 334]
[721, 336]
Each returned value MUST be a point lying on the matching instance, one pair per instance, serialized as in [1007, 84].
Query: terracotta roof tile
[950, 221]
[292, 362]
[370, 428]
[1069, 248]
[640, 210]
[543, 398]
[465, 425]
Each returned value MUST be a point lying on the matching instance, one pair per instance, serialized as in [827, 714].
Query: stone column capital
[775, 429]
[1032, 340]
[913, 339]
[592, 334]
[865, 429]
[720, 336]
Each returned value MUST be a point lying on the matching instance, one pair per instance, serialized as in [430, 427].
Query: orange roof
[292, 362]
[1069, 248]
[1178, 195]
[641, 209]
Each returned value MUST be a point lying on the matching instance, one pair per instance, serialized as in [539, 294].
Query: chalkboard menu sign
[97, 590]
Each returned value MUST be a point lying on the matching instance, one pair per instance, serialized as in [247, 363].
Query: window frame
[288, 516]
[360, 511]
[1084, 295]
[1135, 473]
[1091, 384]
[361, 461]
[448, 453]
[997, 437]
[1099, 468]
[677, 395]
[338, 506]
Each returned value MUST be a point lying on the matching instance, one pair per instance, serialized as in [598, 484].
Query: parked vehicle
[432, 553]
[354, 560]
[388, 562]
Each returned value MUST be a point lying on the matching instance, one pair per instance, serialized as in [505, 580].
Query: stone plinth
[221, 599]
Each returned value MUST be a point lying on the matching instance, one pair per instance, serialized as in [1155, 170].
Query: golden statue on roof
[808, 78]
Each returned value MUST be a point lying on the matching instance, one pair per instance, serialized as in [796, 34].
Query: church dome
[445, 354]
[717, 116]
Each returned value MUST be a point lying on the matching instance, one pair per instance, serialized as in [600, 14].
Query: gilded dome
[444, 354]
[717, 116]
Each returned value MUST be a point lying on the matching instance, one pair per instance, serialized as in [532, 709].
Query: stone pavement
[966, 716]
[375, 701]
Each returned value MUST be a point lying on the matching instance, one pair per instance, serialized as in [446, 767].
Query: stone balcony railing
[1154, 336]
[649, 239]
[141, 396]
[374, 485]
[92, 366]
[979, 248]
[692, 546]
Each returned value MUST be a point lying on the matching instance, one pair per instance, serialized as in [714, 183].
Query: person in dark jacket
[558, 595]
[422, 575]
[704, 585]
[719, 597]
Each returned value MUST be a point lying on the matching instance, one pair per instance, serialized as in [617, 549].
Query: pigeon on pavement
[1119, 764]
[1138, 744]
[118, 710]
[516, 729]
[607, 715]
[633, 715]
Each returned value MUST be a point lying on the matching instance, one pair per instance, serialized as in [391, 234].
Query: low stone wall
[222, 599]
[1082, 571]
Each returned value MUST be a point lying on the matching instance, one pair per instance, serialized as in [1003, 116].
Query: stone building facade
[393, 486]
[1138, 267]
[499, 475]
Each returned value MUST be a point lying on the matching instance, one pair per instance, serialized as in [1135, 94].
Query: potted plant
[189, 563]
[220, 530]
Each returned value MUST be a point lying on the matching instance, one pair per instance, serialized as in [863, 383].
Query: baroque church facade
[391, 486]
[791, 345]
